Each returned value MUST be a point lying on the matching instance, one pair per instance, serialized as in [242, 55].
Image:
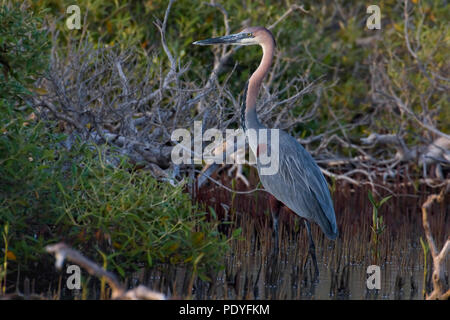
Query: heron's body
[304, 189]
[298, 183]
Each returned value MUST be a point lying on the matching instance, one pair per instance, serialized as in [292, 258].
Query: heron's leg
[275, 211]
[312, 249]
[275, 228]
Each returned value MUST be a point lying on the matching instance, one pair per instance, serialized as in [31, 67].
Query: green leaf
[371, 198]
[204, 277]
[197, 260]
[237, 232]
[384, 200]
[149, 259]
[425, 246]
[213, 213]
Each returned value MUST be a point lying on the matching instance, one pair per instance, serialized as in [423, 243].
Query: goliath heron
[298, 184]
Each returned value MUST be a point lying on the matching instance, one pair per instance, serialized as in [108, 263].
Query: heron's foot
[312, 256]
[311, 252]
[314, 277]
[276, 248]
[275, 236]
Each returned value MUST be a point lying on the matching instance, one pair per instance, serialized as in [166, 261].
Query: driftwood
[439, 258]
[63, 252]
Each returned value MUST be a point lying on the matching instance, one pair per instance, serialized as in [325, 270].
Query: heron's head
[248, 36]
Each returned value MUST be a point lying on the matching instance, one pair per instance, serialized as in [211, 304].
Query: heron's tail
[327, 223]
[325, 217]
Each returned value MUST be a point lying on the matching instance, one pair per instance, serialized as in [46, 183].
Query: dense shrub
[134, 219]
[49, 194]
[330, 43]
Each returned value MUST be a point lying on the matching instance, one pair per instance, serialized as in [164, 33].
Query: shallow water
[278, 279]
[349, 284]
[247, 277]
[252, 271]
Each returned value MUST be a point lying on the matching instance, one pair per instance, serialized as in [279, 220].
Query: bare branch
[291, 9]
[63, 252]
[439, 258]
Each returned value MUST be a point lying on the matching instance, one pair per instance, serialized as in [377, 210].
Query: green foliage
[49, 194]
[27, 190]
[24, 50]
[128, 216]
[134, 219]
[25, 178]
[426, 250]
[4, 268]
[378, 225]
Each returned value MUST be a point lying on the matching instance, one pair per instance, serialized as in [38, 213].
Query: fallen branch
[63, 252]
[439, 284]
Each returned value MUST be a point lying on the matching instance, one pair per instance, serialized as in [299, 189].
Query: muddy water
[351, 284]
[395, 284]
[260, 275]
[257, 274]
[252, 271]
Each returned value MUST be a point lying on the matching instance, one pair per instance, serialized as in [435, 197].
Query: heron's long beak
[230, 39]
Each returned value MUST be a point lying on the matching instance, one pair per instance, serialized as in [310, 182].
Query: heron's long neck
[254, 84]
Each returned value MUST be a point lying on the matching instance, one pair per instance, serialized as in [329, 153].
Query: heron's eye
[250, 34]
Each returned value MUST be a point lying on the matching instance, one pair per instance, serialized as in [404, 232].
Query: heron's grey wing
[301, 186]
[319, 189]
